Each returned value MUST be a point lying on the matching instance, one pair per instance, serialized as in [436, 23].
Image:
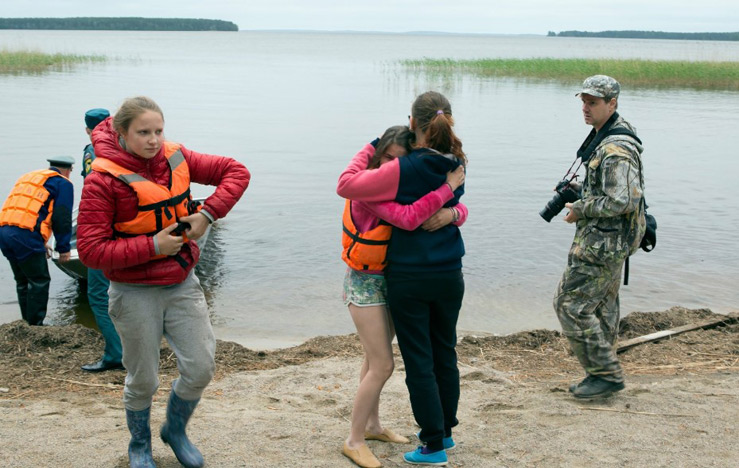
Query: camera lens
[552, 208]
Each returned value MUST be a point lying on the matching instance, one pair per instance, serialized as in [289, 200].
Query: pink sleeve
[462, 210]
[410, 217]
[362, 184]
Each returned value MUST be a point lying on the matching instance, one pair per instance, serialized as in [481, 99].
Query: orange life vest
[24, 203]
[159, 205]
[364, 250]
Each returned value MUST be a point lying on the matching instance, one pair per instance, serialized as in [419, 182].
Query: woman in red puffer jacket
[131, 205]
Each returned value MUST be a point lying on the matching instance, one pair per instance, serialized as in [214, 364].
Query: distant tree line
[119, 24]
[705, 36]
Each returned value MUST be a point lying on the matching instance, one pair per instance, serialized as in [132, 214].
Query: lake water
[295, 107]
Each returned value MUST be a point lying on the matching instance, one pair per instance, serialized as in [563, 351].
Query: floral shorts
[364, 290]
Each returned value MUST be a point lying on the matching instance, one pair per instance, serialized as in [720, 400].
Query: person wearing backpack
[610, 225]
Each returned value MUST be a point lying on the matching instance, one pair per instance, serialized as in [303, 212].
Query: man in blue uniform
[97, 283]
[39, 204]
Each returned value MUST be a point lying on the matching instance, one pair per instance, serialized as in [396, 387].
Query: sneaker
[584, 381]
[418, 457]
[447, 441]
[597, 388]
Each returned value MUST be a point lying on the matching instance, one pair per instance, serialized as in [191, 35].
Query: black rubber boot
[139, 449]
[597, 388]
[173, 431]
[584, 381]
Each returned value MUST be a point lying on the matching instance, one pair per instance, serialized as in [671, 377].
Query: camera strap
[586, 150]
[569, 171]
[594, 139]
[588, 147]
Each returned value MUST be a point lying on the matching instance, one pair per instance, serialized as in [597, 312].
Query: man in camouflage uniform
[610, 225]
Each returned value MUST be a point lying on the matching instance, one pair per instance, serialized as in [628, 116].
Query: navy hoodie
[421, 172]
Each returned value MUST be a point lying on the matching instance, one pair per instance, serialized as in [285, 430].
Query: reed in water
[635, 73]
[30, 61]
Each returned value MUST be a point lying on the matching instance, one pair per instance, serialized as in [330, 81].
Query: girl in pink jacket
[364, 283]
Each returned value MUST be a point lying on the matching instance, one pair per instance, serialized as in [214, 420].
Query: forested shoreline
[702, 36]
[119, 24]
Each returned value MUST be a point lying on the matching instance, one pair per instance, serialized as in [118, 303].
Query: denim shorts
[364, 290]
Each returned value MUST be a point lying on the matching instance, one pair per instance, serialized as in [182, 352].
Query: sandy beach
[291, 407]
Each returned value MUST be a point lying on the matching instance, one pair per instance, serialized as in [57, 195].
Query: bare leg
[375, 332]
[373, 420]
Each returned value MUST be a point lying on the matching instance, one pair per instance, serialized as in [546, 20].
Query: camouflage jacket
[611, 212]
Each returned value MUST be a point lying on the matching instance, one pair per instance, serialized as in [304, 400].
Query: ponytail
[432, 113]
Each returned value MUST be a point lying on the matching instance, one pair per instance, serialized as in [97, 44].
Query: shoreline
[63, 348]
[292, 407]
[9, 313]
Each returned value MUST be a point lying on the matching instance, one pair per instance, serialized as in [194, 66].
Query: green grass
[635, 73]
[13, 62]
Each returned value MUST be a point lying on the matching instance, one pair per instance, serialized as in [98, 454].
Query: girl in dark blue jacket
[424, 274]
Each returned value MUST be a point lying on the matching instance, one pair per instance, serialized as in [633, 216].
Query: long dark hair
[396, 135]
[432, 114]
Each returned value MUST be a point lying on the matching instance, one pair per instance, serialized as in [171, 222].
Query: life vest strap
[132, 178]
[117, 234]
[183, 263]
[355, 237]
[174, 201]
[175, 159]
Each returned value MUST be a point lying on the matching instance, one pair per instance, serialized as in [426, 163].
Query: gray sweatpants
[142, 315]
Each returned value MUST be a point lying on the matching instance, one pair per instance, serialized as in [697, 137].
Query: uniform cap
[61, 162]
[95, 116]
[601, 86]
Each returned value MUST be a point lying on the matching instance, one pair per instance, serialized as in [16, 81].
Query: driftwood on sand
[705, 324]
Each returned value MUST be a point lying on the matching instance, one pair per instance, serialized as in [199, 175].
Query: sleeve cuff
[205, 213]
[577, 208]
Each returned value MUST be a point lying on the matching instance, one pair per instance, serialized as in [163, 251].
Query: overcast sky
[460, 16]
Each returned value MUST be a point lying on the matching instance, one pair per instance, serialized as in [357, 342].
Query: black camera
[566, 193]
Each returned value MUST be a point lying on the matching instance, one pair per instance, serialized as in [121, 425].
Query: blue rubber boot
[173, 431]
[139, 449]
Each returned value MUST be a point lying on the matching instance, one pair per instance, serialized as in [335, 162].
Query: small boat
[74, 267]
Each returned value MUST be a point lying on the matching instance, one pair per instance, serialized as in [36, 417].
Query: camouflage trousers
[587, 307]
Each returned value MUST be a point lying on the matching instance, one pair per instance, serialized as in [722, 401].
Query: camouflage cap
[601, 86]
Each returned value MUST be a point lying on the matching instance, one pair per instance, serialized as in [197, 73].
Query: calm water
[294, 107]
